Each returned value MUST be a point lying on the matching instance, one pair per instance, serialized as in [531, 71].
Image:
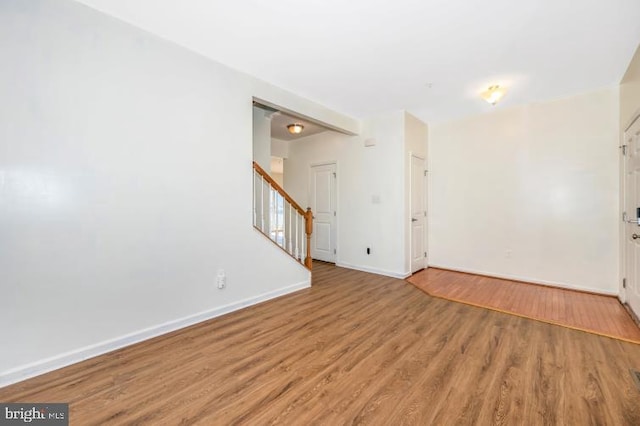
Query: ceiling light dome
[295, 128]
[493, 94]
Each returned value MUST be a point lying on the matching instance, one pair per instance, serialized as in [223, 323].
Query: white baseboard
[527, 280]
[53, 363]
[373, 270]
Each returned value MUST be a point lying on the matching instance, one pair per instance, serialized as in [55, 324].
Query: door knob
[413, 219]
[635, 236]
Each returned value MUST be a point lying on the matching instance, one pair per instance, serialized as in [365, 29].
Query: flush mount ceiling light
[295, 128]
[493, 94]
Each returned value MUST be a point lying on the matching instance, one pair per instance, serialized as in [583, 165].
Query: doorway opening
[323, 184]
[630, 291]
[418, 210]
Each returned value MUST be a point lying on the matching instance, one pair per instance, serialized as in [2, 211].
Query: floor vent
[636, 377]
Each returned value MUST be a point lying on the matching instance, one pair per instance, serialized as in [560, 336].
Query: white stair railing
[280, 218]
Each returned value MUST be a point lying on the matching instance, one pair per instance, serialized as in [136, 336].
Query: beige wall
[530, 192]
[279, 178]
[630, 92]
[370, 191]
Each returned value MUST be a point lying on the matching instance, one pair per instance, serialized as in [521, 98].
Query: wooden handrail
[307, 214]
[278, 188]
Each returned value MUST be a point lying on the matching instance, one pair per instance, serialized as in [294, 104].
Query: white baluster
[255, 195]
[285, 222]
[280, 220]
[290, 245]
[295, 241]
[274, 215]
[277, 212]
[262, 203]
[301, 238]
[271, 203]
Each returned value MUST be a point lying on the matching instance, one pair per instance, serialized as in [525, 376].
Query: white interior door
[418, 214]
[323, 205]
[632, 213]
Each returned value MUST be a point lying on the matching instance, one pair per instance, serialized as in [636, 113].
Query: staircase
[280, 218]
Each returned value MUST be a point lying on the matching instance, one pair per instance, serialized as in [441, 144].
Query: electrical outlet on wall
[221, 279]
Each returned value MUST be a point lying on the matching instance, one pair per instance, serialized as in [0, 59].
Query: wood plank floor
[355, 348]
[594, 313]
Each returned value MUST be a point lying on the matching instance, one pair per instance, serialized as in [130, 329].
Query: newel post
[308, 222]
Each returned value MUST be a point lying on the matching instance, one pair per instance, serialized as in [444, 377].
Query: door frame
[337, 206]
[425, 201]
[622, 292]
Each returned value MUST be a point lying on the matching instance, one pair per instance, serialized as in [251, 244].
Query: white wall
[279, 148]
[630, 92]
[125, 183]
[530, 192]
[363, 173]
[262, 138]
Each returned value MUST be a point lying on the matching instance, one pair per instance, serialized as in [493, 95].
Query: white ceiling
[364, 57]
